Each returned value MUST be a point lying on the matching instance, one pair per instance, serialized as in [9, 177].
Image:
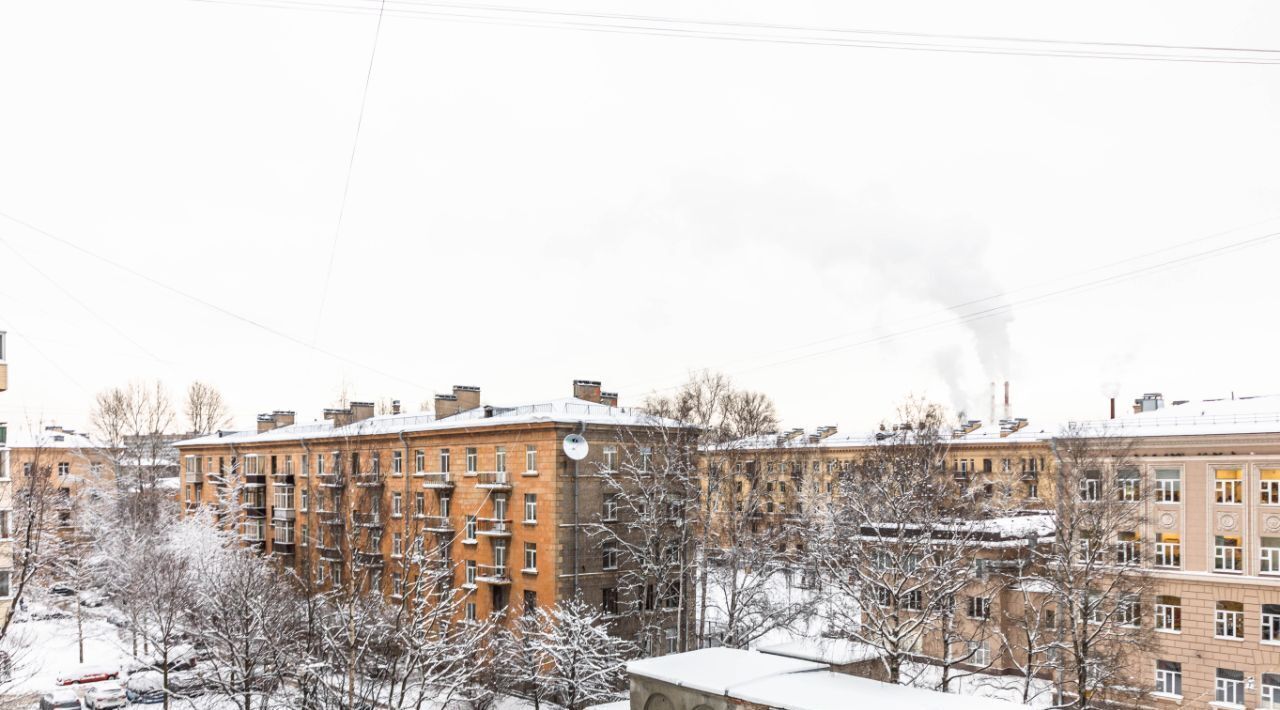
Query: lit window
[1128, 549]
[1168, 550]
[1270, 482]
[1226, 486]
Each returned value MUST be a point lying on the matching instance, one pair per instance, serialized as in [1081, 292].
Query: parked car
[93, 598]
[145, 687]
[60, 700]
[186, 685]
[104, 696]
[87, 673]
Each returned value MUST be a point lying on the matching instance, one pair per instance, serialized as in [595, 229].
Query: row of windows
[1228, 685]
[1228, 552]
[1228, 486]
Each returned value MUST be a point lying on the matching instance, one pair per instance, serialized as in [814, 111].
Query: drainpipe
[582, 428]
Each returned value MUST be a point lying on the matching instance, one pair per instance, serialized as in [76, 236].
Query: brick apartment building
[488, 488]
[6, 496]
[70, 459]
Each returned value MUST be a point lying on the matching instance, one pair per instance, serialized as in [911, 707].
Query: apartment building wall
[6, 494]
[473, 486]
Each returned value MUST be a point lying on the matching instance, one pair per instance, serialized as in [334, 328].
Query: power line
[213, 306]
[346, 183]
[732, 31]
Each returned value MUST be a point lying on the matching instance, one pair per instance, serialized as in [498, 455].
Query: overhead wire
[733, 30]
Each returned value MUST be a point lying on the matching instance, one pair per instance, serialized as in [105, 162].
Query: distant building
[6, 496]
[70, 460]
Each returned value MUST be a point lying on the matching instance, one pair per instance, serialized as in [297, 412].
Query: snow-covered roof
[1243, 415]
[837, 652]
[983, 433]
[717, 670]
[567, 410]
[48, 439]
[825, 690]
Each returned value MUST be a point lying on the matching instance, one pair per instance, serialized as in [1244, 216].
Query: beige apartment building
[487, 490]
[6, 496]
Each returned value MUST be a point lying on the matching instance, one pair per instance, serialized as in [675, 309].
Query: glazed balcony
[367, 520]
[493, 527]
[193, 477]
[439, 481]
[368, 480]
[279, 513]
[494, 480]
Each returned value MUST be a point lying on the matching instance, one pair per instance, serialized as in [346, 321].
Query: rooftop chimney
[468, 397]
[1008, 426]
[1113, 407]
[282, 417]
[587, 389]
[361, 411]
[265, 423]
[609, 398]
[395, 406]
[1008, 409]
[825, 431]
[992, 418]
[446, 406]
[339, 417]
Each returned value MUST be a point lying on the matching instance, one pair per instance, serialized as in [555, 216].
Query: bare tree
[585, 663]
[1093, 569]
[165, 594]
[894, 544]
[131, 423]
[38, 547]
[206, 410]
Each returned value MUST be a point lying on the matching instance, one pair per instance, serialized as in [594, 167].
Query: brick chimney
[609, 398]
[361, 411]
[395, 406]
[339, 417]
[265, 423]
[588, 390]
[446, 406]
[468, 397]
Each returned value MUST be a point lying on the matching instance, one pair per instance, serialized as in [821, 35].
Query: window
[419, 461]
[1226, 554]
[397, 584]
[6, 590]
[469, 529]
[1128, 549]
[646, 458]
[6, 532]
[1226, 486]
[530, 601]
[1228, 620]
[1270, 555]
[1270, 483]
[1228, 687]
[610, 555]
[283, 497]
[375, 464]
[913, 600]
[500, 459]
[1270, 690]
[471, 611]
[306, 534]
[1168, 550]
[1090, 485]
[609, 600]
[1127, 485]
[471, 572]
[397, 463]
[1097, 611]
[1168, 613]
[397, 504]
[979, 608]
[444, 506]
[472, 459]
[444, 460]
[335, 573]
[530, 557]
[419, 504]
[530, 458]
[1033, 490]
[610, 508]
[531, 507]
[304, 499]
[1129, 611]
[500, 509]
[64, 468]
[397, 544]
[1169, 677]
[979, 654]
[319, 463]
[1271, 623]
[1168, 486]
[610, 459]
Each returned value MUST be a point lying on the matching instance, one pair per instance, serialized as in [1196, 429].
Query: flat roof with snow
[837, 652]
[824, 690]
[716, 670]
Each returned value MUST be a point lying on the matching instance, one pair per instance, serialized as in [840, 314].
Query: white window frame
[1169, 681]
[1228, 691]
[1228, 624]
[500, 459]
[1228, 558]
[1269, 560]
[610, 512]
[419, 462]
[531, 507]
[1270, 631]
[530, 557]
[473, 459]
[1168, 617]
[610, 459]
[530, 458]
[1269, 693]
[1168, 554]
[397, 504]
[1227, 491]
[397, 463]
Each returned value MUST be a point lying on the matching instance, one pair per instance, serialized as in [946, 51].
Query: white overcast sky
[531, 205]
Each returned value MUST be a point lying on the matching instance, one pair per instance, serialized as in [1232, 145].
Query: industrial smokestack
[992, 417]
[1113, 407]
[1008, 411]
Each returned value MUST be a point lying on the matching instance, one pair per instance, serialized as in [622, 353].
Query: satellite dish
[575, 447]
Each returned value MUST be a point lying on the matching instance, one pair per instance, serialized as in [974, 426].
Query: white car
[105, 695]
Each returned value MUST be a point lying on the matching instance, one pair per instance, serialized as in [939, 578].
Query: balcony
[493, 527]
[255, 510]
[329, 517]
[493, 480]
[279, 513]
[255, 480]
[282, 548]
[493, 574]
[367, 520]
[436, 524]
[368, 480]
[193, 477]
[282, 479]
[331, 480]
[331, 552]
[367, 558]
[438, 481]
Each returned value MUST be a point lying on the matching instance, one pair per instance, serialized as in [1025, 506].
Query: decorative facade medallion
[1167, 519]
[1227, 521]
[1272, 523]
